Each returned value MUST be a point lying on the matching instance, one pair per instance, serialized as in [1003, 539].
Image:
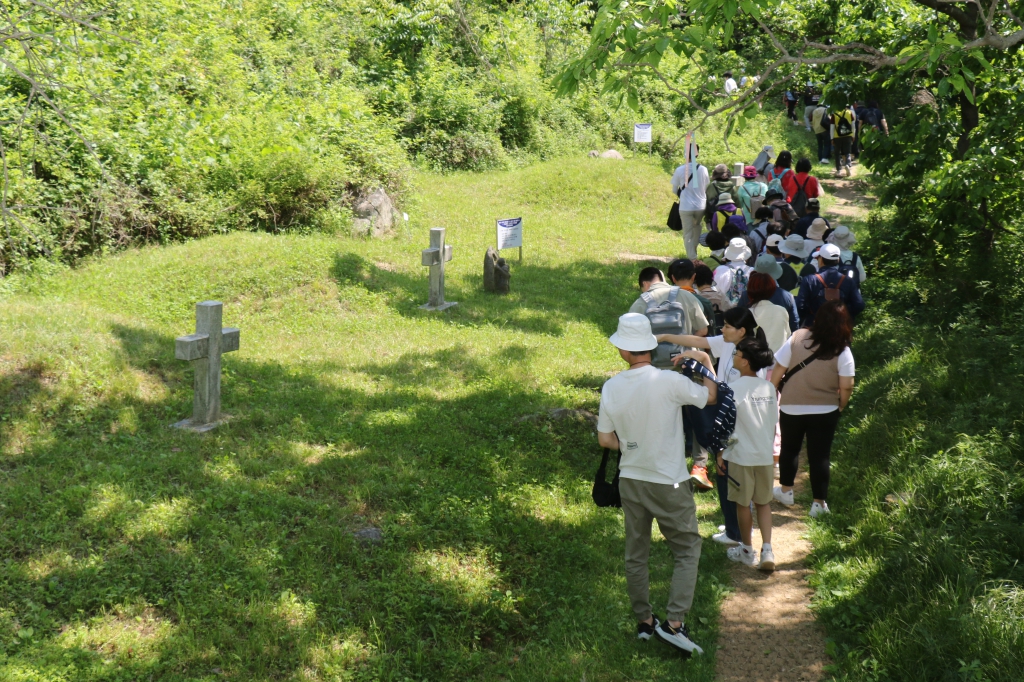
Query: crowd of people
[735, 361]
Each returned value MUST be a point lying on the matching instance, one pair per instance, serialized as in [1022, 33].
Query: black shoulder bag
[674, 223]
[799, 366]
[606, 494]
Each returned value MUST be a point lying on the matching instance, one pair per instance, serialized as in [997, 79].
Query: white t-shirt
[757, 411]
[730, 86]
[724, 275]
[642, 407]
[846, 369]
[694, 195]
[723, 350]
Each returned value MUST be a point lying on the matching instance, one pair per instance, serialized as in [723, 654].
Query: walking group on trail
[734, 360]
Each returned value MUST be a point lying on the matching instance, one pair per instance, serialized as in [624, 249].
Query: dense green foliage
[168, 120]
[921, 567]
[133, 551]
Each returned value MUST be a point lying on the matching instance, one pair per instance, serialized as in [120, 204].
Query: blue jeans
[824, 145]
[732, 524]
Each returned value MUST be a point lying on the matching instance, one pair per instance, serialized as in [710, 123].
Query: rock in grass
[369, 536]
[375, 215]
[611, 154]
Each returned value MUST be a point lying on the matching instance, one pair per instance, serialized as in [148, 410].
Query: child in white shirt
[751, 469]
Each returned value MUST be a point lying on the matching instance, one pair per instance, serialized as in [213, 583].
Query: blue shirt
[812, 294]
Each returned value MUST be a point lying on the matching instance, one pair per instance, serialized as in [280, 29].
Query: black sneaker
[645, 630]
[679, 638]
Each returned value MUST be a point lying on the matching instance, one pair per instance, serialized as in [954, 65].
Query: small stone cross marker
[436, 256]
[204, 349]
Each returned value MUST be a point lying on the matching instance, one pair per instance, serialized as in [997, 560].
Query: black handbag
[674, 221]
[606, 494]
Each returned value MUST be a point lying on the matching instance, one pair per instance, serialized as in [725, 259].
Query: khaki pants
[676, 512]
[692, 228]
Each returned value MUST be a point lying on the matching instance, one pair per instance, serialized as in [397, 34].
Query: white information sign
[641, 132]
[510, 233]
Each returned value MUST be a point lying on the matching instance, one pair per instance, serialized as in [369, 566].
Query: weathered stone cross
[436, 256]
[204, 349]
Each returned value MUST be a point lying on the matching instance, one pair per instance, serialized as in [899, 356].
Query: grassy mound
[919, 568]
[135, 551]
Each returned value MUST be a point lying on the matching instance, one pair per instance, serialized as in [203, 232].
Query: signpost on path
[204, 349]
[510, 234]
[642, 133]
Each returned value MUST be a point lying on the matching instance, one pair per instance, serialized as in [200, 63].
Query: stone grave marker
[436, 256]
[204, 349]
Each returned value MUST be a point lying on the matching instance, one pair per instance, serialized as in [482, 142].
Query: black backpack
[799, 202]
[844, 126]
[849, 268]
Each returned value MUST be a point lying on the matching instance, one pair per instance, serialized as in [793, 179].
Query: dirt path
[767, 630]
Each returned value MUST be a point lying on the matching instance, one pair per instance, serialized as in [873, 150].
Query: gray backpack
[666, 318]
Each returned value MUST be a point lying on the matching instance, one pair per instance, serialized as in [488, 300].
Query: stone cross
[204, 349]
[436, 256]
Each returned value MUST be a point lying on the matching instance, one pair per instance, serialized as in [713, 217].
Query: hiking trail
[767, 631]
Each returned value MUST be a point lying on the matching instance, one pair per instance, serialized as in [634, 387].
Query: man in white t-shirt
[690, 184]
[730, 83]
[640, 416]
[751, 470]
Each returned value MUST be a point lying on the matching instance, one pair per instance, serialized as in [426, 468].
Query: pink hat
[749, 172]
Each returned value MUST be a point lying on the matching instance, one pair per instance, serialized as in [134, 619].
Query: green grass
[135, 551]
[919, 567]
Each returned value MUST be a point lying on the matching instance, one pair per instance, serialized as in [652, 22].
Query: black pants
[841, 149]
[790, 106]
[824, 145]
[820, 429]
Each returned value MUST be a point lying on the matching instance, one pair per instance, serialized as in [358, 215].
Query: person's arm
[608, 440]
[779, 371]
[704, 359]
[803, 298]
[855, 303]
[690, 340]
[845, 390]
[885, 126]
[703, 331]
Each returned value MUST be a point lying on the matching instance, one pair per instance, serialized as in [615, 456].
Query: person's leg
[676, 512]
[746, 523]
[792, 427]
[692, 227]
[819, 451]
[764, 522]
[732, 524]
[821, 145]
[838, 149]
[638, 546]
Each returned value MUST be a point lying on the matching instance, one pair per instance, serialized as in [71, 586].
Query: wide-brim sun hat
[817, 229]
[793, 245]
[725, 198]
[767, 264]
[737, 250]
[842, 237]
[634, 334]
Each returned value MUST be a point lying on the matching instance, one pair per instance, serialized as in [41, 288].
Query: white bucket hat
[634, 334]
[817, 229]
[794, 246]
[737, 249]
[842, 237]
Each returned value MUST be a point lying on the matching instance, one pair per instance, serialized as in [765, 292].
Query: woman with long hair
[814, 371]
[783, 165]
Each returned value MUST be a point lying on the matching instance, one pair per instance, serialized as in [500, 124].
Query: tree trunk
[968, 122]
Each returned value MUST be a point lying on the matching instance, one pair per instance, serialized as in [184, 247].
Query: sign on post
[510, 235]
[641, 132]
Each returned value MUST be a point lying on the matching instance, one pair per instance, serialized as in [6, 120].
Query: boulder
[375, 215]
[593, 153]
[611, 154]
[497, 272]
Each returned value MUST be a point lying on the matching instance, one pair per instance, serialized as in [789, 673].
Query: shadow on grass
[544, 299]
[140, 552]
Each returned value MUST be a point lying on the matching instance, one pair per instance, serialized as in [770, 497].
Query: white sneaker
[767, 563]
[724, 539]
[848, 173]
[679, 638]
[825, 161]
[785, 499]
[721, 528]
[819, 509]
[742, 555]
